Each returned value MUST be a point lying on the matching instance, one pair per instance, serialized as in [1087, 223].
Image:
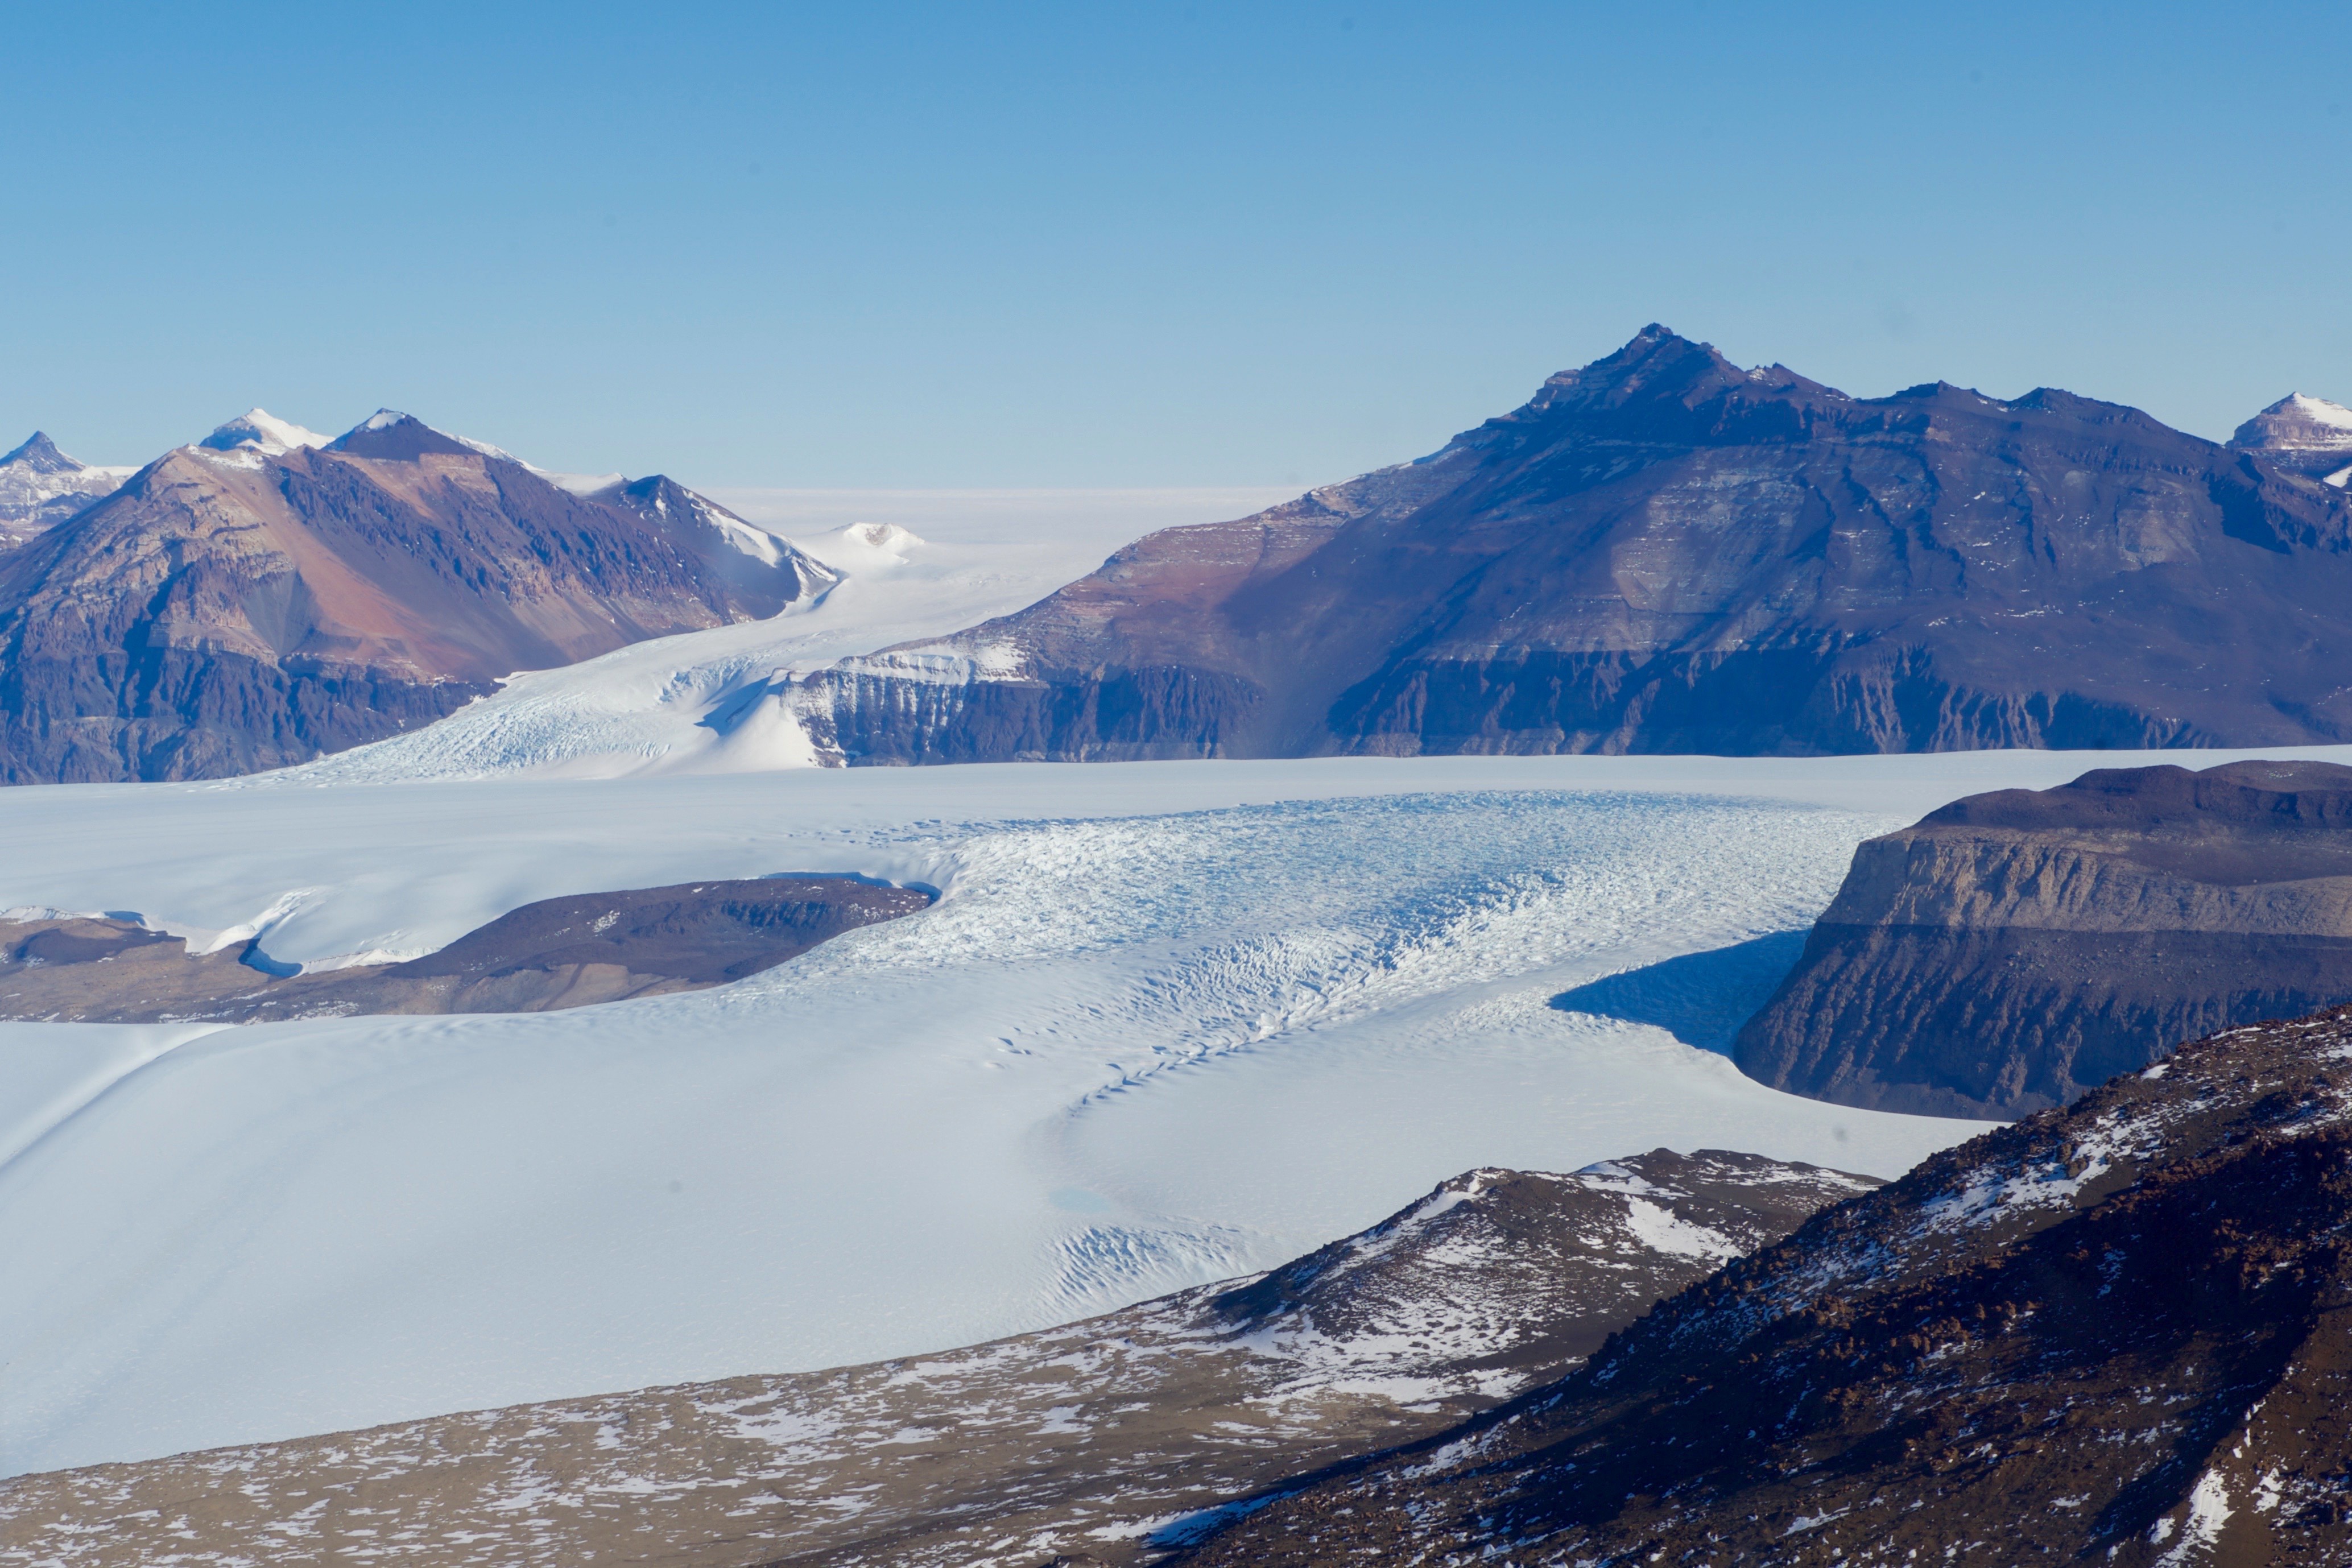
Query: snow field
[1169, 1023]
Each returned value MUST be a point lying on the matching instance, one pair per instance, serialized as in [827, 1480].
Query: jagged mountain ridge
[40, 488]
[2013, 949]
[235, 608]
[2111, 1333]
[1662, 551]
[1097, 1437]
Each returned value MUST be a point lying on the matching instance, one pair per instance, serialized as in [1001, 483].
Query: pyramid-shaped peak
[393, 436]
[40, 454]
[2300, 431]
[258, 430]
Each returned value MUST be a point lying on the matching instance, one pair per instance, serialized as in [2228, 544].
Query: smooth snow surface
[915, 564]
[1169, 1022]
[258, 430]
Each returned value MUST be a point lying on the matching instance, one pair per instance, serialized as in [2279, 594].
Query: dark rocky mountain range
[1664, 552]
[2114, 1335]
[40, 488]
[565, 952]
[2013, 949]
[232, 610]
[1102, 1441]
[2308, 435]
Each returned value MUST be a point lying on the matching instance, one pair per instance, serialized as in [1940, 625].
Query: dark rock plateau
[558, 953]
[2013, 949]
[1099, 1441]
[1662, 552]
[226, 611]
[2116, 1333]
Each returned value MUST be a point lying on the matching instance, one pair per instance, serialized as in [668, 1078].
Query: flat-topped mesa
[2013, 949]
[1664, 552]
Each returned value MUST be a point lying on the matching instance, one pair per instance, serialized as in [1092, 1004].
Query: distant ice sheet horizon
[980, 515]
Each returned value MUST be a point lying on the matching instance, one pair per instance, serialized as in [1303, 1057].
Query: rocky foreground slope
[1104, 1438]
[251, 602]
[1664, 552]
[2013, 949]
[2116, 1333]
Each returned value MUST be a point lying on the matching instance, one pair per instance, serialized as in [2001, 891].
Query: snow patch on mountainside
[258, 430]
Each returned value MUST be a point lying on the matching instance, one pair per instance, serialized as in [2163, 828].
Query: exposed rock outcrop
[2013, 949]
[1088, 1443]
[563, 952]
[2308, 435]
[1664, 552]
[244, 607]
[2111, 1335]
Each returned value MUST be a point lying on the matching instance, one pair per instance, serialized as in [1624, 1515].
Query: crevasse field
[1168, 1022]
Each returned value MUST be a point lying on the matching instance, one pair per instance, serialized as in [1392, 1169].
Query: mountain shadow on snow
[1700, 998]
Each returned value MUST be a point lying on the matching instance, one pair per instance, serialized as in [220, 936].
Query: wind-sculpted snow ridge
[2112, 1333]
[1109, 1437]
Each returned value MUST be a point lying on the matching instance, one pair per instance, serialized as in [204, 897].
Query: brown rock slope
[557, 953]
[2014, 948]
[231, 610]
[1664, 552]
[1098, 1437]
[2112, 1334]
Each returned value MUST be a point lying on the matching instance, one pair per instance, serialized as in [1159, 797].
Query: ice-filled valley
[1169, 1023]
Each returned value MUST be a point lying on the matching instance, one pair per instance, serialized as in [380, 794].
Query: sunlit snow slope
[1169, 1023]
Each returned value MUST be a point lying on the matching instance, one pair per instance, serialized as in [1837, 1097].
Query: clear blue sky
[1119, 244]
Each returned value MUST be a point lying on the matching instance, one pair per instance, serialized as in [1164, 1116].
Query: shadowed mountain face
[229, 611]
[1664, 552]
[2014, 948]
[2114, 1335]
[1097, 1437]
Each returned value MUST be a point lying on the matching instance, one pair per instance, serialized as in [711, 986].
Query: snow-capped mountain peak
[258, 430]
[39, 454]
[2309, 434]
[40, 488]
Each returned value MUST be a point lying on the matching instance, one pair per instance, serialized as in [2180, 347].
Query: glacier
[1169, 1023]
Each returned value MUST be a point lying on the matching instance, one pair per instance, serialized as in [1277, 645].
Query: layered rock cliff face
[1664, 552]
[2308, 435]
[2013, 949]
[227, 610]
[1085, 1443]
[2111, 1334]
